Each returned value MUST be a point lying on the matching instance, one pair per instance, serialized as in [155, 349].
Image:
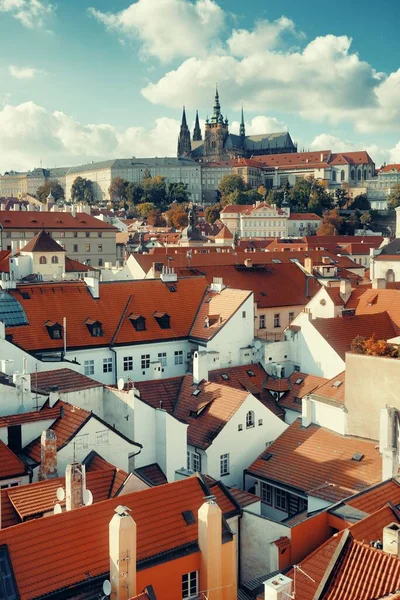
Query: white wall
[329, 416]
[89, 399]
[322, 306]
[171, 443]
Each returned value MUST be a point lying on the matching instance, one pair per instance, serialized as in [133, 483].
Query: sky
[84, 80]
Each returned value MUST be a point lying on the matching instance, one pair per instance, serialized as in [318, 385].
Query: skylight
[357, 456]
[11, 311]
[189, 517]
[7, 583]
[337, 383]
[250, 373]
[225, 376]
[299, 380]
[196, 392]
[267, 456]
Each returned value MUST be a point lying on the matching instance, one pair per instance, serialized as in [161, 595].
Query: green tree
[52, 186]
[154, 190]
[177, 192]
[143, 209]
[341, 197]
[230, 184]
[213, 213]
[394, 197]
[117, 191]
[82, 190]
[134, 193]
[361, 202]
[300, 193]
[320, 200]
[146, 174]
[365, 218]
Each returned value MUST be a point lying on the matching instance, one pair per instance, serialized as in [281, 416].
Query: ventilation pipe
[122, 545]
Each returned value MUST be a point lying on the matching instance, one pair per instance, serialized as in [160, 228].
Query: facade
[380, 187]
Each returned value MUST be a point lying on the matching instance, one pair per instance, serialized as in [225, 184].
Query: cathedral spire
[183, 124]
[184, 144]
[197, 131]
[242, 131]
[217, 106]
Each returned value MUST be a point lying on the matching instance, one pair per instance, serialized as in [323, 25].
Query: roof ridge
[326, 579]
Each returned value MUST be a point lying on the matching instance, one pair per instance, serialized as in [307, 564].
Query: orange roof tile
[224, 234]
[42, 242]
[10, 464]
[215, 310]
[243, 498]
[66, 380]
[33, 220]
[339, 333]
[304, 217]
[351, 158]
[332, 389]
[5, 261]
[391, 167]
[300, 384]
[319, 462]
[152, 474]
[378, 301]
[304, 159]
[74, 266]
[45, 414]
[372, 500]
[371, 527]
[61, 544]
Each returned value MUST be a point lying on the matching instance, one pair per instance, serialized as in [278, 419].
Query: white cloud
[167, 28]
[259, 124]
[24, 72]
[29, 134]
[266, 35]
[31, 13]
[379, 155]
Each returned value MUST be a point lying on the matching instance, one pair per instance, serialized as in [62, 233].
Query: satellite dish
[21, 409]
[60, 494]
[121, 383]
[257, 344]
[106, 587]
[87, 497]
[57, 509]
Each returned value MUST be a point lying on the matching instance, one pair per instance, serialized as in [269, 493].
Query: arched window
[43, 260]
[365, 173]
[390, 275]
[359, 175]
[342, 175]
[352, 173]
[54, 260]
[250, 419]
[333, 175]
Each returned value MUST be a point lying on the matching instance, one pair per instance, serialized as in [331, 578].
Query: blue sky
[85, 80]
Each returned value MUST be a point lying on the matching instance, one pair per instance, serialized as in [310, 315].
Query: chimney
[48, 455]
[308, 265]
[379, 284]
[398, 222]
[92, 280]
[277, 588]
[75, 484]
[388, 442]
[6, 366]
[321, 157]
[54, 396]
[248, 263]
[391, 539]
[345, 290]
[306, 412]
[210, 543]
[200, 366]
[218, 284]
[122, 544]
[168, 275]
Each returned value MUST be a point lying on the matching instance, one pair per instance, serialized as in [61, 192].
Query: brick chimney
[75, 484]
[308, 265]
[122, 545]
[48, 455]
[210, 543]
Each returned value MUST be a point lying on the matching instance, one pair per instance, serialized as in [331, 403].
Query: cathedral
[219, 144]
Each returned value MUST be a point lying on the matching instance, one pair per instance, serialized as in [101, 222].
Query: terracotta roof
[152, 474]
[339, 333]
[307, 384]
[277, 384]
[378, 301]
[45, 414]
[74, 266]
[304, 217]
[60, 544]
[351, 158]
[243, 498]
[10, 464]
[5, 261]
[160, 393]
[224, 234]
[391, 167]
[118, 300]
[225, 499]
[28, 220]
[304, 159]
[373, 499]
[42, 242]
[371, 527]
[332, 389]
[66, 380]
[215, 310]
[319, 462]
[334, 294]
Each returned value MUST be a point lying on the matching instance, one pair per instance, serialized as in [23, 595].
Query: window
[342, 175]
[359, 175]
[107, 365]
[100, 262]
[280, 499]
[163, 320]
[291, 317]
[54, 260]
[162, 357]
[89, 367]
[260, 422]
[266, 493]
[178, 357]
[61, 234]
[190, 585]
[7, 585]
[277, 320]
[95, 328]
[333, 175]
[87, 247]
[128, 363]
[145, 361]
[102, 437]
[87, 234]
[250, 419]
[243, 314]
[75, 247]
[224, 464]
[99, 234]
[262, 321]
[194, 461]
[43, 260]
[138, 322]
[82, 442]
[240, 427]
[75, 234]
[54, 330]
[100, 248]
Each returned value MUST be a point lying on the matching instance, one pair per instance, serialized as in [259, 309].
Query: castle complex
[219, 144]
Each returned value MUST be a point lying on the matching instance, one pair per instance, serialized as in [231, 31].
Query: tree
[213, 213]
[177, 216]
[365, 218]
[146, 174]
[320, 200]
[341, 197]
[117, 191]
[373, 347]
[230, 184]
[154, 190]
[82, 190]
[155, 218]
[332, 223]
[178, 192]
[52, 186]
[300, 193]
[134, 193]
[262, 190]
[360, 202]
[394, 197]
[143, 209]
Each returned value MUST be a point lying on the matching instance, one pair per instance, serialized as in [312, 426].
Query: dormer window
[54, 330]
[95, 327]
[163, 320]
[138, 321]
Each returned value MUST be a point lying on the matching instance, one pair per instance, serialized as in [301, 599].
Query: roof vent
[337, 383]
[188, 517]
[250, 373]
[267, 456]
[357, 456]
[299, 380]
[224, 376]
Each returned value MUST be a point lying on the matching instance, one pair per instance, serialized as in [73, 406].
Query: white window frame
[266, 493]
[162, 356]
[107, 365]
[281, 500]
[277, 320]
[262, 322]
[88, 367]
[128, 363]
[81, 442]
[145, 361]
[178, 357]
[190, 585]
[224, 464]
[250, 419]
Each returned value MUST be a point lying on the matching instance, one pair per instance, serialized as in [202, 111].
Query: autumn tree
[373, 347]
[332, 223]
[82, 191]
[52, 186]
[117, 191]
[155, 218]
[177, 216]
[213, 213]
[394, 197]
[143, 209]
[366, 218]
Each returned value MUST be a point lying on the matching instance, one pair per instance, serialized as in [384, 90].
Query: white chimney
[217, 284]
[322, 157]
[6, 366]
[157, 369]
[122, 544]
[200, 366]
[278, 588]
[92, 280]
[345, 289]
[75, 484]
[388, 442]
[379, 284]
[168, 275]
[306, 413]
[391, 539]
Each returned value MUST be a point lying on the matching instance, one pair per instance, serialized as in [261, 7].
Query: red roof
[351, 158]
[332, 390]
[373, 499]
[290, 160]
[42, 242]
[5, 261]
[224, 234]
[391, 167]
[304, 217]
[34, 220]
[300, 384]
[74, 266]
[45, 414]
[10, 464]
[377, 301]
[66, 380]
[319, 462]
[152, 474]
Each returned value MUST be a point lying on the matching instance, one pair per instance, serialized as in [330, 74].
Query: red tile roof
[45, 414]
[378, 301]
[5, 261]
[304, 217]
[72, 544]
[339, 333]
[28, 220]
[391, 167]
[42, 242]
[351, 158]
[224, 234]
[152, 474]
[243, 498]
[118, 300]
[66, 380]
[10, 464]
[319, 462]
[332, 390]
[304, 159]
[215, 311]
[372, 500]
[307, 384]
[74, 266]
[371, 527]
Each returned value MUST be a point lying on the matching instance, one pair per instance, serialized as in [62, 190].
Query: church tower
[242, 132]
[197, 131]
[184, 145]
[216, 132]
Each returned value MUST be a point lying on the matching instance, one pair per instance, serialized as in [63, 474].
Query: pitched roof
[10, 464]
[332, 390]
[66, 380]
[60, 544]
[377, 301]
[34, 220]
[117, 302]
[304, 217]
[351, 158]
[243, 498]
[305, 159]
[300, 384]
[373, 499]
[74, 266]
[42, 242]
[339, 333]
[224, 234]
[319, 462]
[391, 167]
[44, 414]
[152, 474]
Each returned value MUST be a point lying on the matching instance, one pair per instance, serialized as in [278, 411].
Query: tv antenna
[297, 568]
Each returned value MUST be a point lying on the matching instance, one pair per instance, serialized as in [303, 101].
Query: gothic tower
[242, 131]
[197, 131]
[216, 132]
[184, 145]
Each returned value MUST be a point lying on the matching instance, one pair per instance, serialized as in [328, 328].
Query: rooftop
[42, 242]
[34, 220]
[66, 380]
